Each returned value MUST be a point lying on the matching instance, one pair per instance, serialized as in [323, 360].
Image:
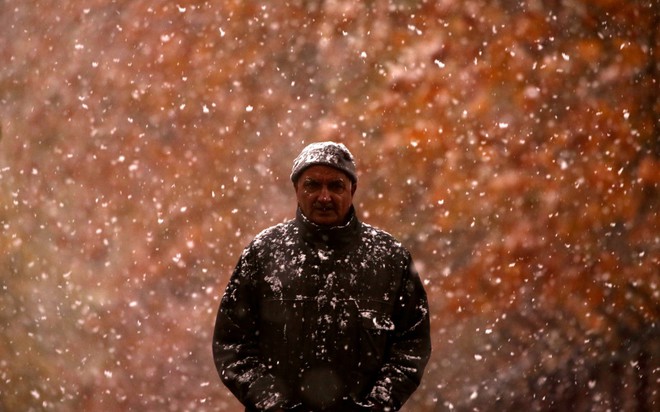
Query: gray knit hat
[324, 153]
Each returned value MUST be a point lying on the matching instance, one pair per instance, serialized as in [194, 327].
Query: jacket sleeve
[236, 345]
[410, 348]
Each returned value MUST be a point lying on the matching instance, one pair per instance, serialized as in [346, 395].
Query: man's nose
[324, 195]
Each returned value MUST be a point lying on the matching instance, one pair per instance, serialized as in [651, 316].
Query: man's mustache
[325, 207]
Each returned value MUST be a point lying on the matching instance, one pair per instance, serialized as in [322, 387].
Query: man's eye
[337, 187]
[312, 186]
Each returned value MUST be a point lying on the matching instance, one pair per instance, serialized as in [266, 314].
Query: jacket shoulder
[382, 241]
[280, 234]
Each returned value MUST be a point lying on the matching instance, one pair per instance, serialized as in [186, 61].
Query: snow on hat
[324, 153]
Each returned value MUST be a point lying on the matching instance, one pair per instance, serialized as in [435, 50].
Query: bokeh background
[512, 146]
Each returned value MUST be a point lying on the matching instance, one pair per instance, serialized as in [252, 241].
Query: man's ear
[353, 187]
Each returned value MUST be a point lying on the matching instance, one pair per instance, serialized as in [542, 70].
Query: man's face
[325, 195]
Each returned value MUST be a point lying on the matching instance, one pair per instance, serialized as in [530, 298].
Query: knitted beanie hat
[325, 153]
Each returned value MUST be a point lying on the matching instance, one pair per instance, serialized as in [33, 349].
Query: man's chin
[325, 218]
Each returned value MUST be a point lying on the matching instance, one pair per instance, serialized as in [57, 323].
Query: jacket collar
[334, 236]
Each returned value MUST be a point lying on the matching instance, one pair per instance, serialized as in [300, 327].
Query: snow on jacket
[317, 319]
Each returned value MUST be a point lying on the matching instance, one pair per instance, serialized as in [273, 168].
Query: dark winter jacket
[317, 319]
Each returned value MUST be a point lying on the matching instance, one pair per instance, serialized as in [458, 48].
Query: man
[323, 312]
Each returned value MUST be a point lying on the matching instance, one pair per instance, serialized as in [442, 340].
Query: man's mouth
[324, 208]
